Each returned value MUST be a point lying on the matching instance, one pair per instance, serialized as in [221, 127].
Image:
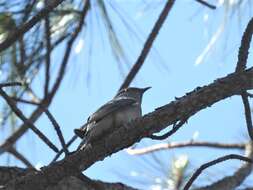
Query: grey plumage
[123, 108]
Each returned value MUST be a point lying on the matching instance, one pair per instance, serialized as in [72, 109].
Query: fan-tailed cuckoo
[123, 108]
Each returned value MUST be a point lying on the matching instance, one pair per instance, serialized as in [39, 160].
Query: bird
[123, 108]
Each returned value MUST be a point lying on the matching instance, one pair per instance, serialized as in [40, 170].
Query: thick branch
[80, 182]
[126, 135]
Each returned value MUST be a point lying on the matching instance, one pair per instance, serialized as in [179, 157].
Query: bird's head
[132, 92]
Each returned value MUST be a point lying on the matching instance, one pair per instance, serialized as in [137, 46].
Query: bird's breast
[128, 114]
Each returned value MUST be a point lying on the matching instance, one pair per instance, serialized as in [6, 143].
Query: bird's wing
[110, 107]
[103, 111]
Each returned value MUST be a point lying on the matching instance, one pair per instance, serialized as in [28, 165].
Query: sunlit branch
[172, 145]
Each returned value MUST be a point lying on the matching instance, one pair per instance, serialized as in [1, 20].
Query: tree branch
[52, 120]
[148, 44]
[172, 145]
[26, 121]
[67, 145]
[241, 66]
[48, 51]
[244, 48]
[206, 4]
[20, 157]
[8, 84]
[46, 102]
[58, 130]
[20, 31]
[212, 163]
[247, 114]
[174, 129]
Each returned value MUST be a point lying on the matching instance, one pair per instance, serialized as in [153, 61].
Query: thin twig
[52, 120]
[25, 101]
[68, 144]
[8, 84]
[68, 49]
[169, 133]
[65, 60]
[58, 131]
[148, 44]
[20, 31]
[61, 151]
[48, 51]
[206, 4]
[214, 162]
[172, 145]
[20, 157]
[26, 121]
[247, 114]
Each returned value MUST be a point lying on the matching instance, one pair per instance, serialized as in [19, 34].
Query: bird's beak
[145, 89]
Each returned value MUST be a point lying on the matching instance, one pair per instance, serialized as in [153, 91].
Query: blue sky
[170, 69]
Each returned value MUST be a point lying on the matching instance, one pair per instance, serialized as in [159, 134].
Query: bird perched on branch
[123, 108]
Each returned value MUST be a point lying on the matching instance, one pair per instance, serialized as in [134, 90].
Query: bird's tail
[81, 131]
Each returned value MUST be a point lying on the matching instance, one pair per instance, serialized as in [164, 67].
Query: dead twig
[172, 145]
